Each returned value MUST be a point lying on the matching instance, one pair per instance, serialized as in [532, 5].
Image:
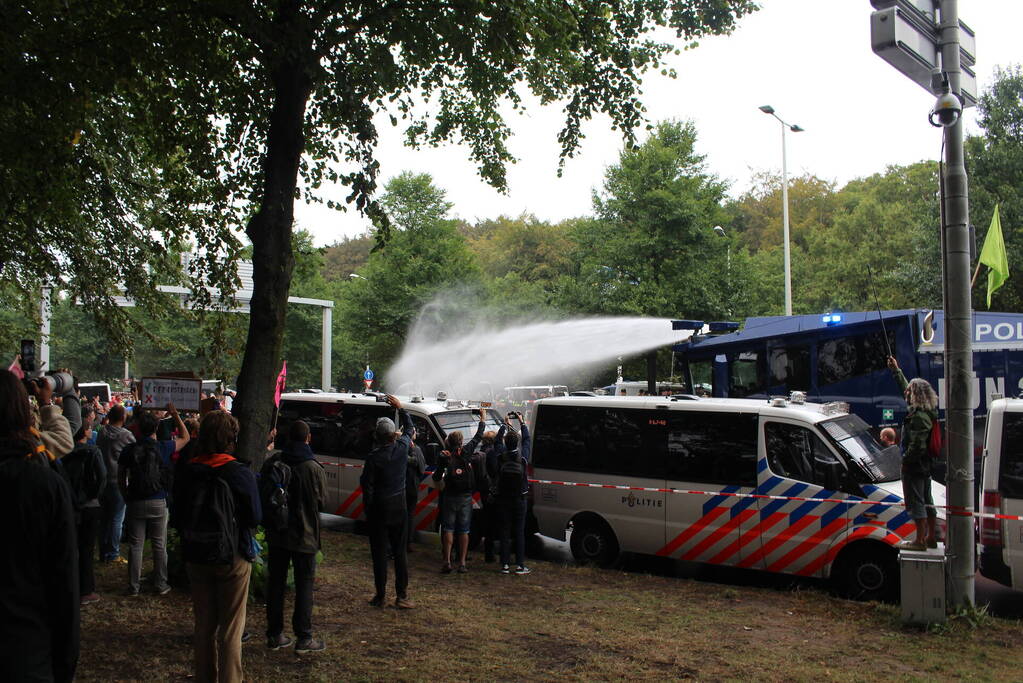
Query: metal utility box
[923, 586]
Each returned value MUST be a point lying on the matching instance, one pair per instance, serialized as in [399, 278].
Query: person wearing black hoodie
[39, 608]
[220, 590]
[296, 545]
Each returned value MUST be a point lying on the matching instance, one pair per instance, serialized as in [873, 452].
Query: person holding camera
[383, 492]
[39, 596]
[460, 473]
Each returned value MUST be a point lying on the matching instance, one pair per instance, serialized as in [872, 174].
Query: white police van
[723, 481]
[1001, 540]
[341, 425]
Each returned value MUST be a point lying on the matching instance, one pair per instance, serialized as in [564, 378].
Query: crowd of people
[97, 480]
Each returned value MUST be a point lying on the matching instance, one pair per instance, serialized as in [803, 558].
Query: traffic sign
[368, 374]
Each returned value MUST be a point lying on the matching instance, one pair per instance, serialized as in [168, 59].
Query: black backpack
[460, 477]
[274, 480]
[209, 530]
[147, 474]
[511, 479]
[83, 475]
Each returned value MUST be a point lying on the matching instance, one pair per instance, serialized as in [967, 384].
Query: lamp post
[768, 109]
[720, 232]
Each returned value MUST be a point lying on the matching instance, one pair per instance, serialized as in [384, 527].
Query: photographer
[39, 598]
[462, 473]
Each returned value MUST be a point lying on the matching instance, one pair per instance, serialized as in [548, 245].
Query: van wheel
[870, 573]
[594, 543]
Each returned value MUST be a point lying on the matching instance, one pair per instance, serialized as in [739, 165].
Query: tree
[346, 256]
[234, 100]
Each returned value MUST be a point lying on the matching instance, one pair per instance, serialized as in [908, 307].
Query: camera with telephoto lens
[61, 383]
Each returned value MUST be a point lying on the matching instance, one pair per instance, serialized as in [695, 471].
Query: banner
[282, 378]
[157, 392]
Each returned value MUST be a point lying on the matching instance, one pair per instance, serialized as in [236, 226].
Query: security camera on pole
[925, 40]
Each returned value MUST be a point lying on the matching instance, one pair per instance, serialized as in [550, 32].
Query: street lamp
[355, 276]
[720, 232]
[768, 109]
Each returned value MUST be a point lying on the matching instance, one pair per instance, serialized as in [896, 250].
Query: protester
[383, 491]
[217, 506]
[298, 541]
[460, 473]
[415, 470]
[887, 437]
[39, 598]
[510, 495]
[87, 474]
[112, 440]
[916, 456]
[490, 448]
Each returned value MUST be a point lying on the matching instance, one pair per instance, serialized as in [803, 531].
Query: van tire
[594, 543]
[868, 572]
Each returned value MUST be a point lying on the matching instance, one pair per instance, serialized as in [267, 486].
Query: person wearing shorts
[460, 473]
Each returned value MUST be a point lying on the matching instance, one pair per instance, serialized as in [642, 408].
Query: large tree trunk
[272, 258]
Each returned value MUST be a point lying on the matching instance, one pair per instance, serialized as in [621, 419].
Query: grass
[563, 623]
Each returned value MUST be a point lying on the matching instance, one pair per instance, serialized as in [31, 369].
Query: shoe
[462, 569]
[377, 601]
[119, 560]
[522, 570]
[404, 603]
[132, 593]
[446, 569]
[163, 591]
[912, 545]
[246, 636]
[310, 645]
[89, 599]
[505, 569]
[276, 642]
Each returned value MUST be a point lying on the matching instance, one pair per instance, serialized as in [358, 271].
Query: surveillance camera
[947, 110]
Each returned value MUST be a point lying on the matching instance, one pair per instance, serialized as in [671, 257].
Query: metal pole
[327, 337]
[958, 327]
[785, 222]
[45, 314]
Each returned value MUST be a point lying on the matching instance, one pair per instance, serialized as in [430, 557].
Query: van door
[358, 421]
[324, 420]
[1010, 485]
[427, 508]
[794, 536]
[716, 453]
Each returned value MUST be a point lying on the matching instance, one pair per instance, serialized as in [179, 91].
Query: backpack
[209, 530]
[146, 472]
[935, 442]
[460, 478]
[511, 476]
[83, 475]
[274, 480]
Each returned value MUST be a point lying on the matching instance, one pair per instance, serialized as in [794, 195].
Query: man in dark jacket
[297, 544]
[383, 491]
[87, 475]
[414, 473]
[510, 494]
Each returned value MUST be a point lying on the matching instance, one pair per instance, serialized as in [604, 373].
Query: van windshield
[465, 421]
[876, 464]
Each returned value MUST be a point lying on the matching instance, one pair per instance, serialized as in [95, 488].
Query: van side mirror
[430, 453]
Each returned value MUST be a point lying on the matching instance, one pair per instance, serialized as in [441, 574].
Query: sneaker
[404, 603]
[119, 560]
[163, 591]
[446, 569]
[310, 645]
[912, 545]
[277, 642]
[89, 599]
[505, 569]
[522, 570]
[377, 601]
[462, 569]
[132, 593]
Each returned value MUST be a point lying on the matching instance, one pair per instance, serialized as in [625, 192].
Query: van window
[797, 453]
[324, 420]
[712, 448]
[844, 358]
[601, 440]
[790, 367]
[701, 374]
[744, 374]
[358, 422]
[1010, 468]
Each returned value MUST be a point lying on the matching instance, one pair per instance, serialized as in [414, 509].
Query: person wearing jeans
[511, 498]
[111, 441]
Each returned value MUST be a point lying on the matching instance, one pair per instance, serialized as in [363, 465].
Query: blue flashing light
[687, 325]
[831, 319]
[720, 327]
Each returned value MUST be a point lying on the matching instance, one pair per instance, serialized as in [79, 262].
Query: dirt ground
[559, 623]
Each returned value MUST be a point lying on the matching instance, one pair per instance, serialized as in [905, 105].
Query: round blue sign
[368, 374]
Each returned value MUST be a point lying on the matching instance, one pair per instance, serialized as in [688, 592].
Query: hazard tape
[950, 509]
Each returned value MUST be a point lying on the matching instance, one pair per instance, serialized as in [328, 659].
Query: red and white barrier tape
[952, 510]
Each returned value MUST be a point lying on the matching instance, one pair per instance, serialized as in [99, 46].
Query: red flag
[16, 369]
[281, 381]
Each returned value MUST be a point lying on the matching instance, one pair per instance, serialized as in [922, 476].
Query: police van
[1001, 540]
[341, 426]
[723, 481]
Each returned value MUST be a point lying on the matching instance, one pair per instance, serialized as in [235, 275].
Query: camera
[61, 383]
[947, 110]
[511, 413]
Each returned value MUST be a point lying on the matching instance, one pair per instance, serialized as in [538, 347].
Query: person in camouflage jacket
[916, 457]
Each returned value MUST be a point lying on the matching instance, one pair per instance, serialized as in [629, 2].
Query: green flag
[993, 256]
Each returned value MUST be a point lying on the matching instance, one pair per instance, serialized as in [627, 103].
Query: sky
[809, 59]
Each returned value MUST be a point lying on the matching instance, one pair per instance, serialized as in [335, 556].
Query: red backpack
[935, 442]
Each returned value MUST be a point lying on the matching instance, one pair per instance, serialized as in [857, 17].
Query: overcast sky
[810, 59]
